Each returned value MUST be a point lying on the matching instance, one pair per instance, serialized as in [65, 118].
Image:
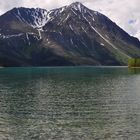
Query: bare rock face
[71, 35]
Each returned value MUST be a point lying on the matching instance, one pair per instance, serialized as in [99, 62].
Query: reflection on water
[134, 70]
[69, 104]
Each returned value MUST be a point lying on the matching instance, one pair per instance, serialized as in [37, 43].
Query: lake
[74, 103]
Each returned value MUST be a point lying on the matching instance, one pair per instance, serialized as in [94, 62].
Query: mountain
[70, 35]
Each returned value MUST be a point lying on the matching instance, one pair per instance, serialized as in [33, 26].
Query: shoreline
[134, 67]
[67, 67]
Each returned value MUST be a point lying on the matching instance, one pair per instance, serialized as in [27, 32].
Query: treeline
[134, 62]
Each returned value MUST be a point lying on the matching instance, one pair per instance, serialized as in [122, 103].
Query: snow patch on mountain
[10, 36]
[36, 18]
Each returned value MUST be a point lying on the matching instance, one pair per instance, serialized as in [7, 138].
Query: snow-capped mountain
[71, 35]
[36, 18]
[33, 17]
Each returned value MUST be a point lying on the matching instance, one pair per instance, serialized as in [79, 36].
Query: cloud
[125, 13]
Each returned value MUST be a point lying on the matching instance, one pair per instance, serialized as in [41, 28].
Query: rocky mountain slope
[71, 35]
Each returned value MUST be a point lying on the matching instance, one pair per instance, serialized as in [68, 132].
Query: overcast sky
[126, 13]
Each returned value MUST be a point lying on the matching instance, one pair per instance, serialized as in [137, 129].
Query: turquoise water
[83, 103]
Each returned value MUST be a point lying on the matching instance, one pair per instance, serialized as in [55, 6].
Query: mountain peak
[23, 9]
[76, 3]
[35, 17]
[77, 6]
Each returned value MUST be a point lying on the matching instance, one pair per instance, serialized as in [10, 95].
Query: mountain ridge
[70, 35]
